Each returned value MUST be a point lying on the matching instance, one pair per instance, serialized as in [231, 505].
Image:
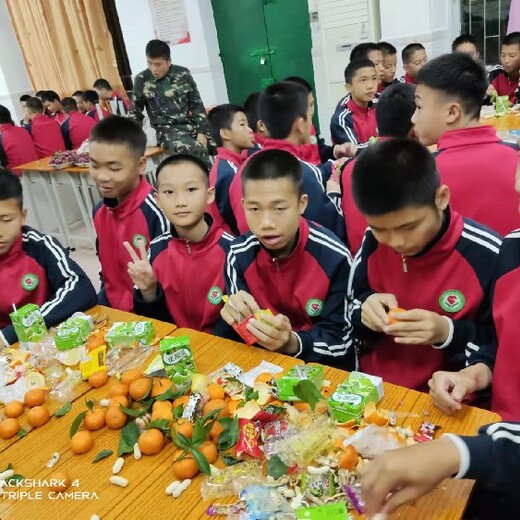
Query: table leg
[83, 207]
[27, 192]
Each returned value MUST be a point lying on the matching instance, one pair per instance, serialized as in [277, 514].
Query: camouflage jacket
[172, 101]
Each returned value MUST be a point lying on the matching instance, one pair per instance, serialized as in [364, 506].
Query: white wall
[200, 55]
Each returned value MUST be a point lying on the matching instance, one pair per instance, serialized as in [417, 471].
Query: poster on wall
[169, 21]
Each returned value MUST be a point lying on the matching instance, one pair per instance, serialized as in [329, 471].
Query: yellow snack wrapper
[94, 362]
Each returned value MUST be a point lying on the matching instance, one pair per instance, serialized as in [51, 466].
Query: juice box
[73, 332]
[296, 374]
[501, 105]
[336, 511]
[130, 334]
[29, 324]
[177, 359]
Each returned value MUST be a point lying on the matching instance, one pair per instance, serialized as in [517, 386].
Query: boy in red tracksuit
[472, 161]
[77, 127]
[106, 94]
[229, 128]
[128, 211]
[421, 256]
[16, 145]
[45, 132]
[504, 78]
[183, 280]
[414, 59]
[354, 121]
[51, 102]
[293, 267]
[34, 267]
[284, 108]
[389, 66]
[90, 100]
[394, 112]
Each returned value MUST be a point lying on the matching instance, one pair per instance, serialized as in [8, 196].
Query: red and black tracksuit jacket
[309, 287]
[136, 219]
[16, 146]
[76, 129]
[46, 135]
[452, 277]
[38, 270]
[504, 85]
[190, 280]
[352, 123]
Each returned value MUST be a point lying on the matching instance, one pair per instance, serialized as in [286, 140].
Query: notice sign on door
[169, 21]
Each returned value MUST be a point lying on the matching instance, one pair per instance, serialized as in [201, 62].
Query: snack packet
[321, 485]
[130, 334]
[241, 327]
[73, 332]
[264, 503]
[289, 380]
[29, 324]
[248, 439]
[231, 480]
[177, 359]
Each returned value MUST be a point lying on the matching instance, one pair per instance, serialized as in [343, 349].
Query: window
[486, 20]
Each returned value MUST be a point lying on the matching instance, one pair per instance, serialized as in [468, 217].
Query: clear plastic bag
[64, 391]
[372, 440]
[231, 480]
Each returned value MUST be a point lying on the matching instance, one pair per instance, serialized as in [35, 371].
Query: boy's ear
[211, 195]
[298, 125]
[302, 206]
[442, 197]
[224, 134]
[260, 125]
[24, 216]
[142, 165]
[454, 113]
[348, 87]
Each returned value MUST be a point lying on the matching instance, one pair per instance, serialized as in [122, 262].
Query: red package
[248, 439]
[241, 330]
[275, 430]
[426, 432]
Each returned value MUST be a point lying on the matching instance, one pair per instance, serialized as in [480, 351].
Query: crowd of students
[396, 263]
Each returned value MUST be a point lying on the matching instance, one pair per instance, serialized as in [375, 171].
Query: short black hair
[361, 51]
[409, 51]
[457, 75]
[90, 96]
[464, 38]
[392, 175]
[34, 105]
[181, 158]
[512, 38]
[354, 66]
[50, 95]
[274, 164]
[387, 49]
[78, 93]
[301, 81]
[69, 104]
[25, 97]
[5, 115]
[102, 83]
[221, 117]
[251, 110]
[10, 186]
[158, 49]
[120, 130]
[39, 94]
[395, 109]
[280, 105]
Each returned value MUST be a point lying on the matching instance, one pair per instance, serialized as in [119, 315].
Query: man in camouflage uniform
[173, 103]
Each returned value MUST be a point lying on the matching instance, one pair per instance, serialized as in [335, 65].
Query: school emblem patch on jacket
[452, 301]
[215, 295]
[30, 282]
[314, 307]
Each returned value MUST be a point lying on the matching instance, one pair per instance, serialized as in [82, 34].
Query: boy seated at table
[77, 127]
[128, 211]
[414, 59]
[16, 145]
[466, 43]
[52, 103]
[419, 255]
[78, 97]
[35, 268]
[182, 279]
[90, 101]
[45, 131]
[255, 123]
[503, 78]
[389, 53]
[289, 265]
[106, 94]
[230, 130]
[473, 162]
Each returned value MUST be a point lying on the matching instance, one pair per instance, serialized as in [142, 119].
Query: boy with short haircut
[476, 165]
[45, 131]
[355, 120]
[35, 268]
[467, 44]
[90, 100]
[394, 112]
[504, 78]
[421, 256]
[77, 127]
[285, 110]
[255, 123]
[52, 103]
[230, 130]
[293, 267]
[106, 94]
[414, 59]
[78, 97]
[128, 211]
[23, 99]
[16, 145]
[389, 65]
[187, 262]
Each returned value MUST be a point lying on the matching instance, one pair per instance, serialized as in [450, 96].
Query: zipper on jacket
[405, 266]
[188, 247]
[275, 262]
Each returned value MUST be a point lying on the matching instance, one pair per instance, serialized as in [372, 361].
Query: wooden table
[144, 498]
[39, 177]
[509, 121]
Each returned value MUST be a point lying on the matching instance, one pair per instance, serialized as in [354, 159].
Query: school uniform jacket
[38, 270]
[408, 79]
[480, 171]
[309, 287]
[381, 87]
[136, 219]
[190, 279]
[316, 151]
[504, 85]
[323, 208]
[16, 146]
[95, 115]
[46, 135]
[60, 117]
[352, 123]
[453, 277]
[76, 129]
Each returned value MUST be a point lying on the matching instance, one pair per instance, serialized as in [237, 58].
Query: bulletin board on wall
[170, 21]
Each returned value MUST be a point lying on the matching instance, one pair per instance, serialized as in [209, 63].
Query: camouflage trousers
[176, 142]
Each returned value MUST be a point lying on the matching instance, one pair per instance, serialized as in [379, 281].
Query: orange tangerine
[183, 426]
[185, 468]
[216, 391]
[183, 400]
[209, 450]
[216, 404]
[348, 458]
[264, 377]
[391, 318]
[118, 388]
[302, 406]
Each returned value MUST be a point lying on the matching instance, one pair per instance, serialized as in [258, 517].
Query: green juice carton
[29, 324]
[501, 105]
[296, 374]
[177, 358]
[129, 334]
[73, 332]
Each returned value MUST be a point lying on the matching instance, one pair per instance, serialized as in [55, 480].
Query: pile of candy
[60, 160]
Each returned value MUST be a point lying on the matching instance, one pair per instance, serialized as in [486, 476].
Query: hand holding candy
[141, 271]
[237, 307]
[274, 333]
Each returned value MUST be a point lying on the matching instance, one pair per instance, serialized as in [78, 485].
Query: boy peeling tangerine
[391, 318]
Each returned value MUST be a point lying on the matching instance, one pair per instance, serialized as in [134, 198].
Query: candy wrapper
[177, 359]
[318, 485]
[227, 378]
[426, 432]
[130, 334]
[194, 406]
[273, 432]
[372, 441]
[263, 503]
[248, 439]
[289, 380]
[29, 324]
[241, 327]
[231, 480]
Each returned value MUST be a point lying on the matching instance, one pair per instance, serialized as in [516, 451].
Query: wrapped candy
[248, 439]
